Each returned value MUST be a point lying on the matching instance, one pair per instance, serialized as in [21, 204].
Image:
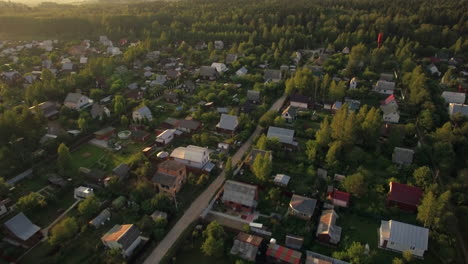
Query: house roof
[125, 235]
[121, 170]
[406, 234]
[282, 179]
[207, 71]
[299, 98]
[171, 165]
[144, 111]
[189, 124]
[458, 108]
[100, 218]
[248, 238]
[73, 98]
[253, 95]
[192, 153]
[294, 241]
[403, 155]
[171, 121]
[303, 204]
[239, 192]
[454, 97]
[290, 110]
[228, 122]
[220, 67]
[246, 246]
[284, 135]
[316, 258]
[164, 179]
[327, 225]
[339, 195]
[406, 194]
[384, 85]
[230, 58]
[386, 77]
[284, 254]
[21, 226]
[48, 108]
[97, 110]
[104, 131]
[272, 75]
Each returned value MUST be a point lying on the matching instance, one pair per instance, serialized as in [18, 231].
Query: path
[197, 207]
[45, 231]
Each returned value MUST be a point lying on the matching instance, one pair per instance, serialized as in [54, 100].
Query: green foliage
[311, 150]
[433, 209]
[89, 206]
[355, 253]
[262, 167]
[267, 119]
[64, 159]
[262, 142]
[355, 184]
[214, 240]
[30, 201]
[323, 135]
[4, 187]
[63, 231]
[229, 169]
[423, 176]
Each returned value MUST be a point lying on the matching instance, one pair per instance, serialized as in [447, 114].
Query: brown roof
[171, 165]
[114, 235]
[125, 235]
[189, 124]
[251, 239]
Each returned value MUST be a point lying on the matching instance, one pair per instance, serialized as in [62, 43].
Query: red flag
[380, 39]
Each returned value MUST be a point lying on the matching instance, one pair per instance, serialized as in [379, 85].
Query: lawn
[190, 252]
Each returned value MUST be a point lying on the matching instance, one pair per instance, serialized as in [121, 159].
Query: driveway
[197, 207]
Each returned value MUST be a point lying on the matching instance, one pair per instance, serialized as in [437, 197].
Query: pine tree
[262, 167]
[64, 159]
[323, 135]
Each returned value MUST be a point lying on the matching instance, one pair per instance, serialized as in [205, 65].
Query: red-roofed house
[339, 198]
[283, 255]
[404, 196]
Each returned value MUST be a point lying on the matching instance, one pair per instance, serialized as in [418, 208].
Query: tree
[214, 240]
[355, 253]
[262, 142]
[83, 124]
[323, 135]
[124, 121]
[267, 118]
[357, 59]
[229, 171]
[279, 121]
[311, 150]
[31, 201]
[262, 167]
[3, 187]
[63, 231]
[355, 184]
[397, 261]
[89, 206]
[334, 153]
[64, 159]
[407, 256]
[119, 104]
[422, 176]
[432, 210]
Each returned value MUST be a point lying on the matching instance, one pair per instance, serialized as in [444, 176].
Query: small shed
[281, 179]
[101, 218]
[158, 214]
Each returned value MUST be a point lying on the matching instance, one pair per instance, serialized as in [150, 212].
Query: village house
[140, 136]
[302, 207]
[239, 196]
[404, 196]
[353, 83]
[316, 258]
[400, 237]
[82, 192]
[76, 101]
[402, 156]
[20, 231]
[289, 114]
[142, 113]
[454, 97]
[282, 255]
[192, 156]
[272, 76]
[242, 71]
[461, 109]
[281, 180]
[384, 87]
[48, 109]
[188, 86]
[208, 73]
[227, 124]
[4, 206]
[122, 237]
[299, 101]
[165, 137]
[101, 218]
[327, 231]
[121, 171]
[220, 67]
[285, 136]
[294, 242]
[246, 246]
[253, 96]
[188, 126]
[231, 58]
[219, 44]
[99, 111]
[170, 176]
[389, 108]
[338, 198]
[105, 133]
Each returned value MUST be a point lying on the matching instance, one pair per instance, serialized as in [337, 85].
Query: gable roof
[303, 204]
[284, 254]
[230, 58]
[402, 155]
[228, 122]
[144, 111]
[189, 124]
[253, 95]
[327, 225]
[384, 85]
[290, 110]
[454, 97]
[458, 108]
[121, 170]
[98, 110]
[125, 235]
[299, 98]
[272, 75]
[73, 98]
[339, 195]
[239, 192]
[21, 226]
[164, 179]
[406, 194]
[406, 234]
[282, 134]
[248, 238]
[316, 258]
[171, 165]
[100, 218]
[192, 153]
[207, 71]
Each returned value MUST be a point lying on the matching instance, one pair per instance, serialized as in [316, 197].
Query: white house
[83, 192]
[242, 71]
[165, 137]
[218, 44]
[353, 83]
[384, 87]
[458, 108]
[220, 67]
[389, 109]
[398, 236]
[123, 237]
[77, 101]
[142, 113]
[433, 70]
[192, 156]
[391, 117]
[289, 114]
[284, 136]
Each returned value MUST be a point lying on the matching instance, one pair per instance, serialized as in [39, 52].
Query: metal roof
[239, 192]
[192, 153]
[228, 122]
[406, 234]
[284, 135]
[454, 97]
[22, 227]
[303, 204]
